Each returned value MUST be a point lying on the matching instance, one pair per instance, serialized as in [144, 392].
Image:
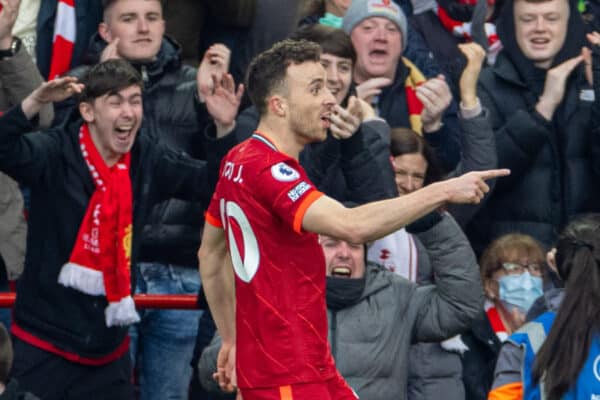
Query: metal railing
[161, 301]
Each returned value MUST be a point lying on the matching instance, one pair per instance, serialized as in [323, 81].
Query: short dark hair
[267, 70]
[6, 354]
[108, 3]
[406, 141]
[332, 40]
[109, 76]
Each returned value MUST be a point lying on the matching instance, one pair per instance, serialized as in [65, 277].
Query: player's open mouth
[341, 272]
[326, 121]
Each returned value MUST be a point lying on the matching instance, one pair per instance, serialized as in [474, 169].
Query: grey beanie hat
[362, 9]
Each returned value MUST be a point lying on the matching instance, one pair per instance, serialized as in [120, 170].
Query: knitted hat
[362, 9]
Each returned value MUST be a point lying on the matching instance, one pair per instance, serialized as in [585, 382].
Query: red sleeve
[213, 213]
[285, 188]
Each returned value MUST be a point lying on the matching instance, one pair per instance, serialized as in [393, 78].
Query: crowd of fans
[455, 305]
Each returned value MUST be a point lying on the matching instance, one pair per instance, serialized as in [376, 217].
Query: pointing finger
[493, 173]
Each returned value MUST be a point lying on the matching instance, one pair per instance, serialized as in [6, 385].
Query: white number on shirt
[245, 267]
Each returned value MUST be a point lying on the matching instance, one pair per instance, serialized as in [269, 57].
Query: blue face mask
[331, 20]
[520, 290]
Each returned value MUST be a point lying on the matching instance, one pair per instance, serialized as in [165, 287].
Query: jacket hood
[169, 56]
[574, 41]
[377, 279]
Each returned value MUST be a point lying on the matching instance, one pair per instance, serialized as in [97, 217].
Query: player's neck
[281, 136]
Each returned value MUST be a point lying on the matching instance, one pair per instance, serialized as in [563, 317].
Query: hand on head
[53, 91]
[57, 90]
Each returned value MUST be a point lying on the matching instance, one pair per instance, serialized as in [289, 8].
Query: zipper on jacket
[144, 72]
[333, 333]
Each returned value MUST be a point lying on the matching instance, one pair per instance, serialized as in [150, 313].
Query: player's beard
[309, 129]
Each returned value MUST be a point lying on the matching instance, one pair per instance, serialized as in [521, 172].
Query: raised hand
[8, 15]
[475, 55]
[345, 122]
[594, 39]
[50, 92]
[554, 87]
[470, 188]
[215, 62]
[223, 103]
[436, 97]
[371, 87]
[225, 375]
[110, 51]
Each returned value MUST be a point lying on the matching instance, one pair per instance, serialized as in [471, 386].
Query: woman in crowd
[511, 273]
[325, 12]
[556, 355]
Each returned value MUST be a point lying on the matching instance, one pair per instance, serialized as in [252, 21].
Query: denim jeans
[162, 343]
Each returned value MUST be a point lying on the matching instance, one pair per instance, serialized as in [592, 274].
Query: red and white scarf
[100, 259]
[397, 253]
[63, 41]
[498, 326]
[414, 79]
[463, 29]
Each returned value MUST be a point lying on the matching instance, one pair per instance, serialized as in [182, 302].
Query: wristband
[15, 46]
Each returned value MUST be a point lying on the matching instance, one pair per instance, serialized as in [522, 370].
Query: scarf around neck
[397, 252]
[414, 105]
[100, 260]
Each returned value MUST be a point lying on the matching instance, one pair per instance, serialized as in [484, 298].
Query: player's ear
[277, 105]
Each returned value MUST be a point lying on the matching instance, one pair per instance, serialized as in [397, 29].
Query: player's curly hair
[267, 71]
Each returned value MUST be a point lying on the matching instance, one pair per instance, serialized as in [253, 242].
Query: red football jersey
[281, 320]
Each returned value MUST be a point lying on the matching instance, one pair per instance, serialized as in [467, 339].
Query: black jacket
[552, 178]
[12, 392]
[51, 164]
[480, 360]
[173, 116]
[356, 170]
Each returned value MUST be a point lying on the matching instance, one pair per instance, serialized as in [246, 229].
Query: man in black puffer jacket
[544, 113]
[173, 115]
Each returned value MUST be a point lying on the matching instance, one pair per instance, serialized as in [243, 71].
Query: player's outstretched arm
[216, 273]
[375, 220]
